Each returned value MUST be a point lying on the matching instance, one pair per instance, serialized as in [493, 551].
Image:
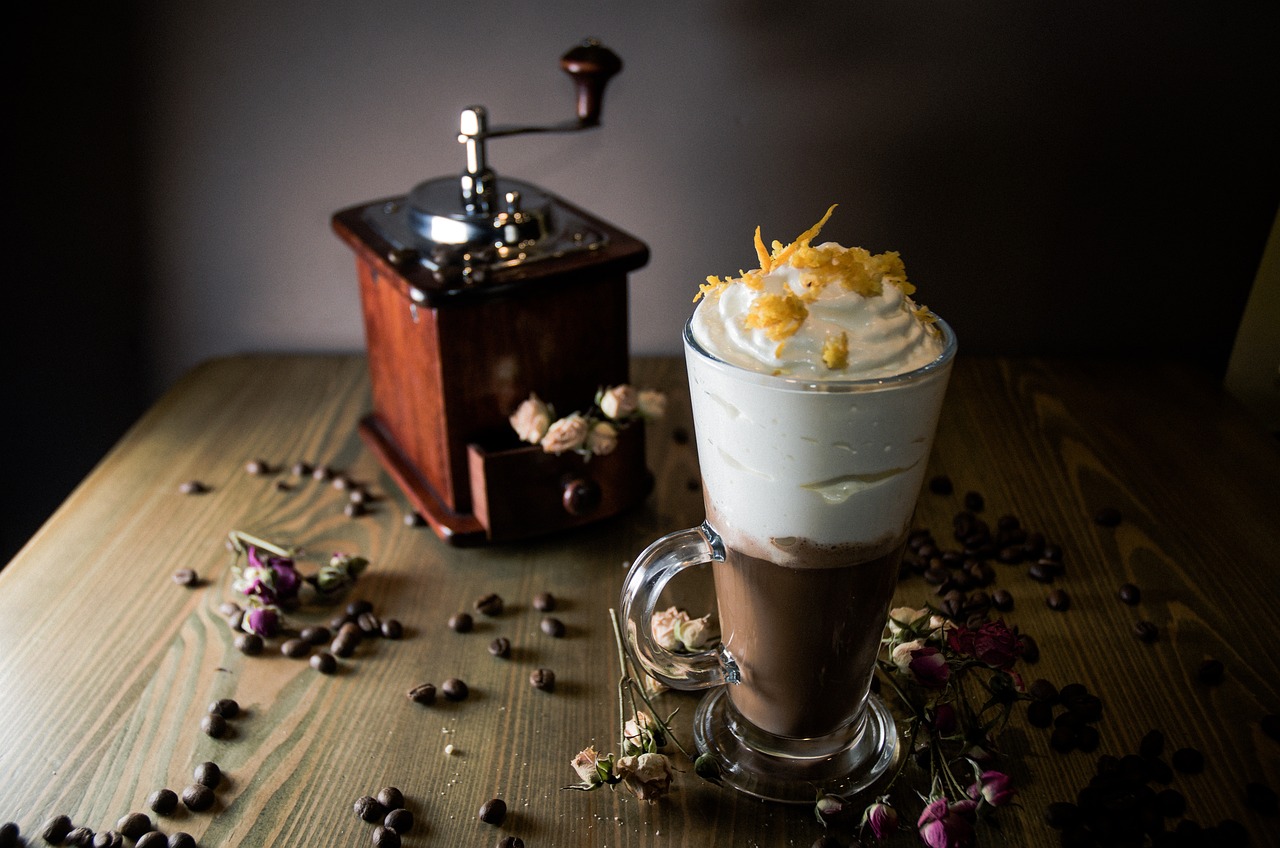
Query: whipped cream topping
[817, 313]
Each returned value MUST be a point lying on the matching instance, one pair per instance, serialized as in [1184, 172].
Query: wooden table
[108, 666]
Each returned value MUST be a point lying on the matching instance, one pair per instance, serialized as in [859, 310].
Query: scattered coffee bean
[1107, 516]
[235, 620]
[341, 482]
[544, 602]
[510, 842]
[108, 839]
[225, 707]
[423, 693]
[226, 608]
[181, 839]
[358, 496]
[358, 607]
[369, 809]
[553, 627]
[249, 644]
[1002, 600]
[163, 801]
[295, 648]
[133, 825]
[1042, 573]
[392, 629]
[1171, 803]
[351, 630]
[198, 797]
[283, 486]
[400, 820]
[301, 469]
[1260, 797]
[9, 833]
[343, 646]
[1062, 815]
[1270, 725]
[369, 624]
[81, 836]
[461, 622]
[1188, 760]
[413, 519]
[1087, 738]
[1043, 690]
[354, 510]
[941, 485]
[1040, 714]
[1151, 745]
[209, 774]
[55, 830]
[1130, 594]
[489, 605]
[257, 466]
[974, 502]
[493, 811]
[1030, 649]
[1210, 672]
[324, 662]
[455, 689]
[500, 647]
[1058, 600]
[321, 473]
[385, 837]
[390, 797]
[186, 577]
[1146, 631]
[543, 679]
[315, 635]
[153, 839]
[214, 726]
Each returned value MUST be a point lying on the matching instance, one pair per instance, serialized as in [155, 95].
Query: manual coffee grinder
[478, 291]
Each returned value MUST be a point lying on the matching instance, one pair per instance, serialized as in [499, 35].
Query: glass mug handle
[649, 575]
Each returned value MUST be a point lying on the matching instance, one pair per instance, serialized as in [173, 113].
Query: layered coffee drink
[812, 457]
[816, 384]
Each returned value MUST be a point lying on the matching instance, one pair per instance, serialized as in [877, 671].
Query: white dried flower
[602, 438]
[566, 434]
[531, 420]
[619, 402]
[652, 403]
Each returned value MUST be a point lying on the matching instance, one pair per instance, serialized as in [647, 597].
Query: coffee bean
[510, 842]
[413, 519]
[974, 502]
[315, 635]
[209, 774]
[154, 839]
[941, 485]
[214, 726]
[1270, 725]
[544, 602]
[385, 837]
[1260, 797]
[1130, 594]
[198, 797]
[490, 605]
[351, 630]
[181, 839]
[1063, 739]
[1062, 815]
[1058, 600]
[455, 689]
[553, 627]
[1107, 516]
[133, 825]
[295, 648]
[257, 466]
[826, 840]
[55, 830]
[1171, 803]
[1030, 649]
[1188, 761]
[1002, 600]
[235, 620]
[108, 839]
[225, 707]
[543, 679]
[341, 482]
[423, 693]
[186, 577]
[493, 811]
[321, 473]
[369, 809]
[390, 797]
[400, 820]
[163, 801]
[1146, 631]
[392, 629]
[9, 833]
[1151, 745]
[249, 644]
[500, 647]
[369, 624]
[461, 622]
[1041, 573]
[324, 662]
[1087, 738]
[358, 607]
[81, 836]
[1040, 714]
[1210, 672]
[1043, 690]
[343, 646]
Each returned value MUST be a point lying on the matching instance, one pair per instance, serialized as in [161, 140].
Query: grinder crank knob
[591, 65]
[581, 496]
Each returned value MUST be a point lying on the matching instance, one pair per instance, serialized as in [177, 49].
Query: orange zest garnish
[779, 315]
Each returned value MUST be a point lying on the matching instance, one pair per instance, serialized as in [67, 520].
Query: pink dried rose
[531, 420]
[566, 434]
[922, 663]
[592, 768]
[648, 775]
[881, 819]
[946, 825]
[602, 438]
[993, 644]
[262, 620]
[993, 787]
[651, 404]
[618, 402]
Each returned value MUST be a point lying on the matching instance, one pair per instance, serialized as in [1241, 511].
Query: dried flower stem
[239, 539]
[633, 687]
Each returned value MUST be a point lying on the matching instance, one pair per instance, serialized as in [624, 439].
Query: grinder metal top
[464, 229]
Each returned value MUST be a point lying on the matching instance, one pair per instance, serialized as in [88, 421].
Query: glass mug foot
[795, 771]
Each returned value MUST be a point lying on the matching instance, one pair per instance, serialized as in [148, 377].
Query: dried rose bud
[566, 434]
[602, 438]
[531, 420]
[619, 402]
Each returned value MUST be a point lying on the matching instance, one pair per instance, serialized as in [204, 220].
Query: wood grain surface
[107, 666]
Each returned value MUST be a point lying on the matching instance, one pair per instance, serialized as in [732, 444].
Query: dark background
[1087, 179]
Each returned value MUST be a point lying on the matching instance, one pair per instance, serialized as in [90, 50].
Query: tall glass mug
[810, 487]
